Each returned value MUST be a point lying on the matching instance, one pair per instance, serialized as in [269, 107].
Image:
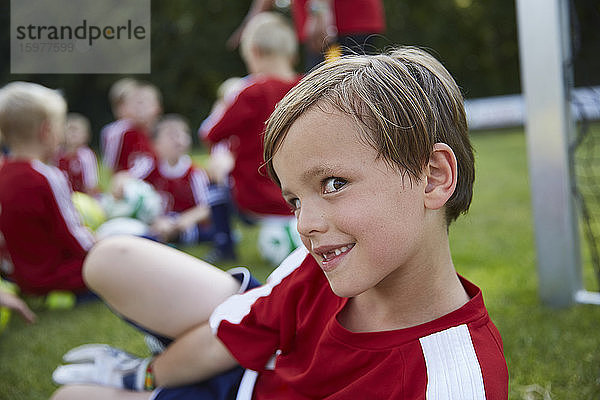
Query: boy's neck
[276, 67]
[71, 149]
[407, 297]
[173, 161]
[29, 152]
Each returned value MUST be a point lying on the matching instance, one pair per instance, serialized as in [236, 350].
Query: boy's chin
[343, 290]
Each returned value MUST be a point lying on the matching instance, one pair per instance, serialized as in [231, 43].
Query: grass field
[551, 354]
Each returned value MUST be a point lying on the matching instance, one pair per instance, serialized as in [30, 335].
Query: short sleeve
[234, 118]
[252, 325]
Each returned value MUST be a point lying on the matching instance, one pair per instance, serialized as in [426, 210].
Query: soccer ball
[140, 201]
[92, 214]
[4, 318]
[277, 238]
[5, 312]
[122, 226]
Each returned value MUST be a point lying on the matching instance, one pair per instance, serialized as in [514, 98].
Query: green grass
[555, 350]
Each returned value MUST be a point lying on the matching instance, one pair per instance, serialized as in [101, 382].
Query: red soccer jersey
[128, 148]
[287, 330]
[243, 124]
[81, 168]
[42, 230]
[181, 186]
[351, 17]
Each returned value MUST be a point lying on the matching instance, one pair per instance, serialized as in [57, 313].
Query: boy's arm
[256, 7]
[59, 211]
[195, 356]
[192, 216]
[89, 169]
[234, 119]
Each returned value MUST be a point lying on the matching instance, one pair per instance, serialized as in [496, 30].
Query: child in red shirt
[240, 122]
[76, 158]
[192, 211]
[128, 146]
[373, 155]
[42, 230]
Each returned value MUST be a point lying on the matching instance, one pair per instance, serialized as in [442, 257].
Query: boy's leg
[91, 392]
[156, 286]
[220, 209]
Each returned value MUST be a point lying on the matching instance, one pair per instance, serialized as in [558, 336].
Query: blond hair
[119, 91]
[152, 88]
[23, 108]
[403, 102]
[271, 34]
[171, 119]
[81, 119]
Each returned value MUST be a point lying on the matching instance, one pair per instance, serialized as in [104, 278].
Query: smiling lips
[331, 254]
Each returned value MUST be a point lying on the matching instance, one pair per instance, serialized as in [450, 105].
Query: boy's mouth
[330, 254]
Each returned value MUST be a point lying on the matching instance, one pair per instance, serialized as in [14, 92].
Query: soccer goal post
[546, 79]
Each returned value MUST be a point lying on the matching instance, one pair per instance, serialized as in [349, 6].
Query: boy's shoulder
[260, 84]
[28, 175]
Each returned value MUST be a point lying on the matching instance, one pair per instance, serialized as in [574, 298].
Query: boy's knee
[63, 393]
[103, 257]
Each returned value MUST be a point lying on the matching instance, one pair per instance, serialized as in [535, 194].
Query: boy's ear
[44, 130]
[441, 176]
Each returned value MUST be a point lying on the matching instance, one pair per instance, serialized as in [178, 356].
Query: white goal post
[546, 79]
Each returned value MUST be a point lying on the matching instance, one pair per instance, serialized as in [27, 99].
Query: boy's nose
[311, 220]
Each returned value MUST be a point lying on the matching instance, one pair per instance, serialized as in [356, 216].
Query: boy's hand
[104, 365]
[13, 302]
[164, 227]
[320, 28]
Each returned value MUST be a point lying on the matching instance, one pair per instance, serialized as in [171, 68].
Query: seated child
[128, 146]
[120, 97]
[373, 154]
[269, 49]
[44, 236]
[185, 191]
[130, 206]
[76, 159]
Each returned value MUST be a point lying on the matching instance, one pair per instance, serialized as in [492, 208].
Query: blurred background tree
[475, 39]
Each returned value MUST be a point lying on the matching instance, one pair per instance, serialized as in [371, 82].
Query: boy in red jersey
[41, 228]
[128, 146]
[76, 159]
[120, 97]
[191, 212]
[373, 155]
[269, 50]
[327, 27]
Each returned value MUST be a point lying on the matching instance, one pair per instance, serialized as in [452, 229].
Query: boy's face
[360, 219]
[172, 140]
[76, 134]
[53, 135]
[145, 106]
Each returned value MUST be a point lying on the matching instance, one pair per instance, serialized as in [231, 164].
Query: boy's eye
[294, 204]
[333, 184]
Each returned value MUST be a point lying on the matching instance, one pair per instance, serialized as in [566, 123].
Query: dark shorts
[223, 386]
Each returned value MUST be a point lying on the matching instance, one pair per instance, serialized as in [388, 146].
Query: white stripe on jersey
[235, 308]
[112, 139]
[217, 114]
[200, 187]
[142, 166]
[89, 167]
[247, 385]
[453, 370]
[62, 194]
[220, 147]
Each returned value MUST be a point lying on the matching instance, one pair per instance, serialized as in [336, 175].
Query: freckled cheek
[306, 242]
